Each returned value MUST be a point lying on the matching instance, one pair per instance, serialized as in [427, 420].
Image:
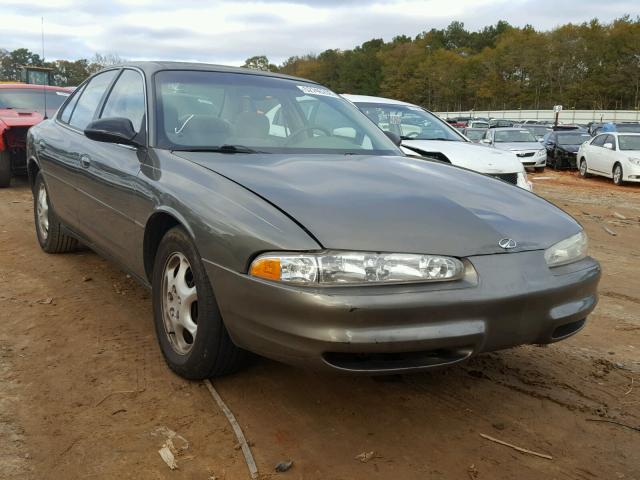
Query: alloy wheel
[583, 168]
[617, 175]
[179, 303]
[42, 212]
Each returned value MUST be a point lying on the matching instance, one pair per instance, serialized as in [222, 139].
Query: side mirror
[112, 130]
[608, 146]
[394, 138]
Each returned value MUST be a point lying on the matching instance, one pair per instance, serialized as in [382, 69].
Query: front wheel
[583, 168]
[193, 339]
[617, 174]
[539, 169]
[5, 169]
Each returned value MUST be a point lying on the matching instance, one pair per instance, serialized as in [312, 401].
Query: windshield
[514, 136]
[31, 99]
[409, 122]
[209, 110]
[572, 138]
[538, 131]
[628, 127]
[477, 124]
[474, 134]
[629, 142]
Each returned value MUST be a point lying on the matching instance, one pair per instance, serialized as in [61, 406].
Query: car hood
[395, 204]
[517, 146]
[19, 118]
[569, 148]
[469, 155]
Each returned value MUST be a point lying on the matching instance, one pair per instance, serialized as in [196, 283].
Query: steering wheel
[306, 129]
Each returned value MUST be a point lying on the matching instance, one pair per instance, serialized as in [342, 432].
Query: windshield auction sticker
[309, 90]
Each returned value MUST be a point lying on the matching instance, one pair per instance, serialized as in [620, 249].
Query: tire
[551, 162]
[48, 228]
[583, 169]
[538, 169]
[617, 174]
[183, 299]
[5, 169]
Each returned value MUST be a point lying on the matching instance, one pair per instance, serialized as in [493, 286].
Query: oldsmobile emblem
[507, 243]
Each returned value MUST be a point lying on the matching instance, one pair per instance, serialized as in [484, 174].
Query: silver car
[521, 142]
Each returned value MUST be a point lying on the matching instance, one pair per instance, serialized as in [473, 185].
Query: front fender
[230, 225]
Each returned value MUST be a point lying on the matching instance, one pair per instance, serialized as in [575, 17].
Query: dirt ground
[85, 394]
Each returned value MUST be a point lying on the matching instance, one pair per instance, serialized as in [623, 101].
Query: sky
[228, 32]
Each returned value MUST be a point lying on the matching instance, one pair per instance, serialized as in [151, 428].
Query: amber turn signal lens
[267, 268]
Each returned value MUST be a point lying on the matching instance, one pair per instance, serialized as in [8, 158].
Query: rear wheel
[617, 174]
[5, 169]
[48, 227]
[193, 339]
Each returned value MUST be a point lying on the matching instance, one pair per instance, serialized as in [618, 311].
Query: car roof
[151, 67]
[370, 99]
[504, 129]
[619, 133]
[29, 86]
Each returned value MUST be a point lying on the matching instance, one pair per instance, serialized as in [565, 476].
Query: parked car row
[268, 214]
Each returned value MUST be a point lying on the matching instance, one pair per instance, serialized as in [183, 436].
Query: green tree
[259, 62]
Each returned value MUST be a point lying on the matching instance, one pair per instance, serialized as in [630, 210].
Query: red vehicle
[21, 107]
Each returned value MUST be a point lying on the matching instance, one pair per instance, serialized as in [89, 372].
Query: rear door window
[90, 98]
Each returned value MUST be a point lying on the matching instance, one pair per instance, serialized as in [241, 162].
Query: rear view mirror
[112, 130]
[608, 146]
[394, 138]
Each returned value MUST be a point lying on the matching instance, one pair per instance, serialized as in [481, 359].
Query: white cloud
[229, 31]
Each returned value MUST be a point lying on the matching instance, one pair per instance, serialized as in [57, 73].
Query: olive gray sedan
[268, 215]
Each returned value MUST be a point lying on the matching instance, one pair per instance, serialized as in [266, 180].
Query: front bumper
[515, 299]
[532, 159]
[631, 172]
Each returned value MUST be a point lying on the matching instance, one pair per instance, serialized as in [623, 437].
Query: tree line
[65, 72]
[583, 66]
[592, 65]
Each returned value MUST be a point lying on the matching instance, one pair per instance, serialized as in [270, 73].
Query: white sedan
[424, 134]
[613, 155]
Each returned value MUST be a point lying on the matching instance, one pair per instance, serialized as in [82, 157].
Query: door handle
[85, 161]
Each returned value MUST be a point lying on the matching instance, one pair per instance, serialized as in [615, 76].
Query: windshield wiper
[220, 149]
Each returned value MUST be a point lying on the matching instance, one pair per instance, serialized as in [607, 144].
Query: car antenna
[44, 88]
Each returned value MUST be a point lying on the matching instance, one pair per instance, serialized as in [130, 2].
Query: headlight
[523, 181]
[635, 160]
[542, 152]
[355, 268]
[568, 250]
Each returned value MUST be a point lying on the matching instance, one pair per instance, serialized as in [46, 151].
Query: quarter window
[126, 99]
[65, 115]
[90, 99]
